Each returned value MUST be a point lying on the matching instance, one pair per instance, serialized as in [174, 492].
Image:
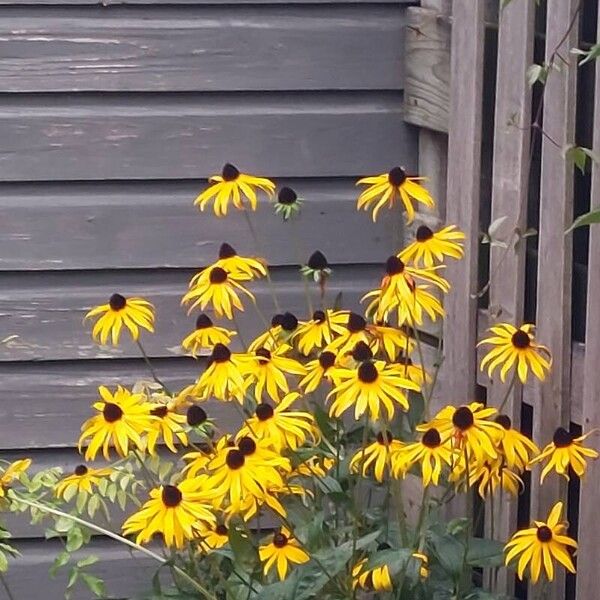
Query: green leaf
[448, 551]
[485, 553]
[244, 552]
[87, 561]
[81, 500]
[74, 539]
[587, 219]
[537, 73]
[395, 559]
[591, 54]
[95, 584]
[70, 493]
[73, 577]
[3, 563]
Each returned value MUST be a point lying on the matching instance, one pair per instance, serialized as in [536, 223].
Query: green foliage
[588, 218]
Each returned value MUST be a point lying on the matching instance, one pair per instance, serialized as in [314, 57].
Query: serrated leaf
[74, 539]
[60, 561]
[95, 584]
[122, 499]
[87, 561]
[70, 493]
[63, 524]
[92, 506]
[73, 576]
[587, 219]
[81, 500]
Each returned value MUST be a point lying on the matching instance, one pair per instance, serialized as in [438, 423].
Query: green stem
[508, 391]
[6, 587]
[151, 368]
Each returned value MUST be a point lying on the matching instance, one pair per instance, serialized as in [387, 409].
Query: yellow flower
[13, 471]
[516, 448]
[282, 550]
[412, 371]
[377, 579]
[388, 187]
[133, 313]
[82, 479]
[235, 264]
[282, 330]
[213, 536]
[316, 466]
[233, 186]
[541, 545]
[381, 454]
[317, 370]
[320, 330]
[175, 511]
[423, 564]
[284, 428]
[566, 451]
[429, 247]
[122, 418]
[493, 475]
[516, 346]
[206, 336]
[469, 428]
[168, 426]
[220, 289]
[223, 378]
[370, 386]
[431, 451]
[199, 460]
[393, 341]
[267, 371]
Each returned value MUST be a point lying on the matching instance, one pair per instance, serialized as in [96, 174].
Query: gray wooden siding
[112, 114]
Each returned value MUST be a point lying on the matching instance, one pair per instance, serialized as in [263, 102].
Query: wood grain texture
[205, 49]
[587, 563]
[154, 224]
[168, 136]
[462, 203]
[427, 83]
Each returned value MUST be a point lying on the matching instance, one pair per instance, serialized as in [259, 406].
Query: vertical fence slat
[589, 528]
[551, 399]
[509, 200]
[462, 195]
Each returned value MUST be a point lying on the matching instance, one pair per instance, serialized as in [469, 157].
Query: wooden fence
[467, 77]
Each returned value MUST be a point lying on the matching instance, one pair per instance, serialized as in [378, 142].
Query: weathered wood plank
[208, 49]
[510, 186]
[44, 311]
[146, 224]
[427, 83]
[551, 406]
[174, 137]
[589, 529]
[462, 203]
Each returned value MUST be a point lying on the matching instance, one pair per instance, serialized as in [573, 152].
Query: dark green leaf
[95, 584]
[587, 219]
[485, 553]
[242, 548]
[448, 551]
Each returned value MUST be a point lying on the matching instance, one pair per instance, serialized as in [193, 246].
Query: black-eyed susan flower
[380, 455]
[538, 547]
[315, 466]
[283, 549]
[565, 451]
[356, 330]
[392, 340]
[516, 346]
[387, 188]
[283, 427]
[131, 313]
[212, 536]
[235, 264]
[470, 429]
[83, 479]
[317, 370]
[174, 511]
[490, 476]
[168, 427]
[430, 247]
[377, 579]
[370, 388]
[282, 330]
[195, 416]
[223, 378]
[121, 420]
[12, 472]
[267, 372]
[317, 268]
[431, 451]
[413, 371]
[516, 448]
[220, 290]
[233, 186]
[288, 203]
[199, 460]
[206, 336]
[320, 330]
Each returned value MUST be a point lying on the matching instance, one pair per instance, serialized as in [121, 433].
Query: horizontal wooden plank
[42, 313]
[208, 49]
[142, 225]
[158, 136]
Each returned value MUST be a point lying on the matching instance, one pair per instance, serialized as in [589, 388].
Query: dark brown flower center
[385, 438]
[247, 446]
[226, 251]
[327, 359]
[276, 320]
[117, 302]
[394, 266]
[289, 322]
[264, 411]
[220, 353]
[544, 533]
[80, 470]
[112, 412]
[504, 420]
[317, 261]
[280, 540]
[405, 360]
[287, 196]
[367, 372]
[221, 529]
[196, 415]
[263, 353]
[203, 322]
[431, 438]
[463, 418]
[229, 172]
[362, 352]
[397, 176]
[355, 323]
[235, 459]
[171, 496]
[562, 438]
[520, 339]
[319, 316]
[217, 275]
[160, 411]
[424, 233]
